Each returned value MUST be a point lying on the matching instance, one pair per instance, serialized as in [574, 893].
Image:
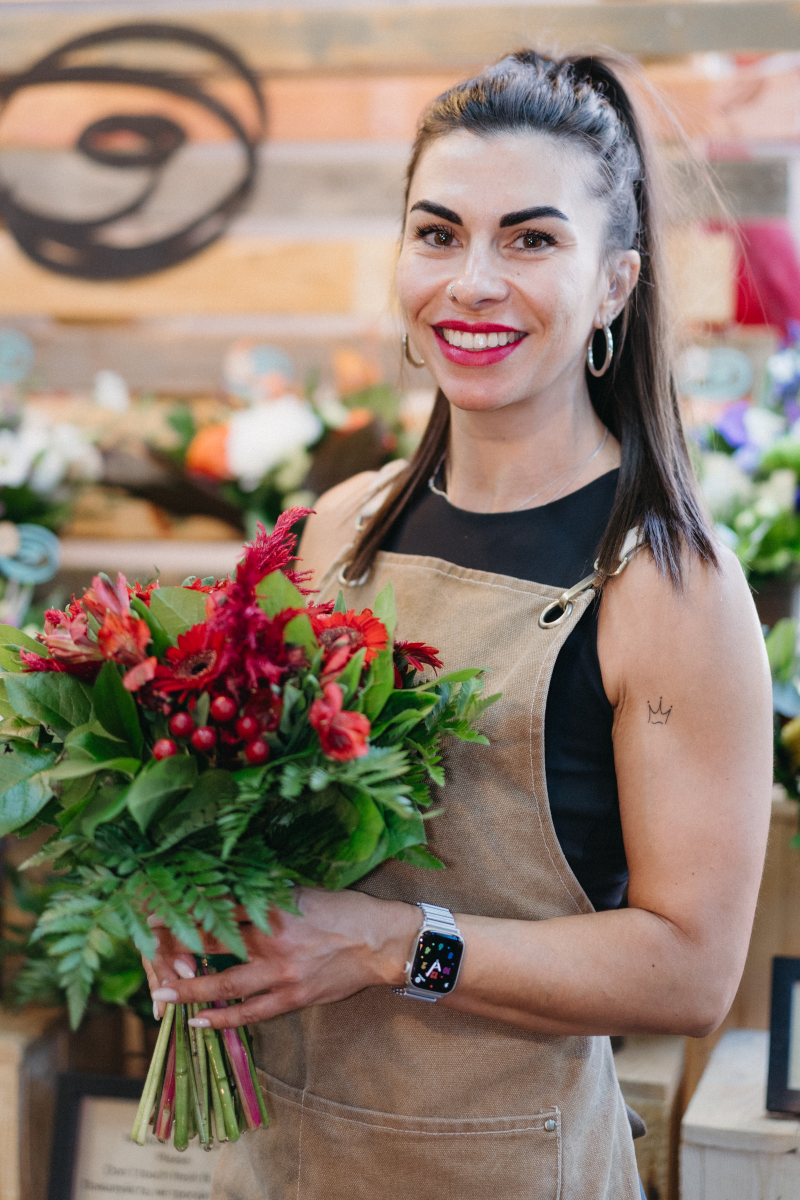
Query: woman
[633, 740]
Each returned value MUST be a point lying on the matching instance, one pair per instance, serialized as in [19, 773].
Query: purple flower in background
[731, 424]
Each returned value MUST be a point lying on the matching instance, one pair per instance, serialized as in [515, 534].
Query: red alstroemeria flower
[123, 638]
[342, 735]
[101, 598]
[139, 675]
[66, 635]
[335, 631]
[194, 663]
[142, 591]
[86, 671]
[417, 655]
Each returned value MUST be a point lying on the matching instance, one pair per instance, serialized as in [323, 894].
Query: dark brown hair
[582, 100]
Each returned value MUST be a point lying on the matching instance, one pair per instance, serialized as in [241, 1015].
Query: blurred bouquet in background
[281, 446]
[749, 456]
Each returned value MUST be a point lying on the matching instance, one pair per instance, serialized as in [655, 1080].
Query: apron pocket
[341, 1153]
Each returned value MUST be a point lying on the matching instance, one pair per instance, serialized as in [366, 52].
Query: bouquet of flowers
[209, 746]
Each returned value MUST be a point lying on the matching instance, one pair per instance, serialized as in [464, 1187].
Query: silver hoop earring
[452, 294]
[407, 351]
[598, 371]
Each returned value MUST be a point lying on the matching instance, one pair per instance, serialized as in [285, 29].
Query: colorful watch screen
[436, 962]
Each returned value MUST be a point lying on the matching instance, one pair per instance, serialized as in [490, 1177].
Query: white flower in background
[329, 406]
[763, 426]
[16, 459]
[111, 391]
[725, 485]
[68, 455]
[777, 493]
[783, 366]
[261, 437]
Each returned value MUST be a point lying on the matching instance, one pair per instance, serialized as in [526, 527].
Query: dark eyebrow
[438, 210]
[531, 214]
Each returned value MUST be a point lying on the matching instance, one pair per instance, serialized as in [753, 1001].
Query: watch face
[436, 962]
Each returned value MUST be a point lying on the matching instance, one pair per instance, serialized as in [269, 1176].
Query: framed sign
[93, 1155]
[783, 1080]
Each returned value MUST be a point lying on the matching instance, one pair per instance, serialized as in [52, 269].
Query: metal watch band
[437, 920]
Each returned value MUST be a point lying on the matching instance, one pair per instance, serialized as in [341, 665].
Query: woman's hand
[342, 943]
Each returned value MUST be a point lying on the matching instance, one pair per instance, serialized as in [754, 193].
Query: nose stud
[452, 294]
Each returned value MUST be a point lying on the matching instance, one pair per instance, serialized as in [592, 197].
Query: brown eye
[442, 238]
[532, 241]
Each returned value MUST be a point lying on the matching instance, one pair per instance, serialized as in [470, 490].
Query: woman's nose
[478, 285]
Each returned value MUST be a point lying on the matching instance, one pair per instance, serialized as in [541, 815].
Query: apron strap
[376, 494]
[595, 581]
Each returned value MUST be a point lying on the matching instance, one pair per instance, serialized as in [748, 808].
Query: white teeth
[478, 341]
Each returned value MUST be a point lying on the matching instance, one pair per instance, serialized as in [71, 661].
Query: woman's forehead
[505, 172]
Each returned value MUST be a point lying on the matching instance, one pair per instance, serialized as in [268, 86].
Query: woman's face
[503, 252]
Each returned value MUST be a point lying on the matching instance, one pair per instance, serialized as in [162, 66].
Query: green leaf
[177, 609]
[10, 641]
[13, 727]
[340, 606]
[116, 708]
[117, 988]
[197, 810]
[105, 805]
[299, 632]
[349, 679]
[156, 783]
[24, 786]
[52, 697]
[362, 842]
[404, 831]
[386, 610]
[382, 684]
[158, 634]
[78, 768]
[781, 642]
[420, 856]
[91, 741]
[276, 592]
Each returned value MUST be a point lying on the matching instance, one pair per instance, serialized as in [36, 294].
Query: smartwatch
[433, 970]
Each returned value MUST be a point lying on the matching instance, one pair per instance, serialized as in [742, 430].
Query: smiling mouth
[476, 342]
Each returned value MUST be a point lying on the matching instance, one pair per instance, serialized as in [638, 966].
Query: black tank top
[555, 544]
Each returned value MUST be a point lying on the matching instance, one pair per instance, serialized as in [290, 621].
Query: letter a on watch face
[436, 962]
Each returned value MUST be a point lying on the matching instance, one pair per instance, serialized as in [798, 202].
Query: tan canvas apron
[378, 1096]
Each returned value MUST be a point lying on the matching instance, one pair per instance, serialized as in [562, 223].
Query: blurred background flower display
[748, 454]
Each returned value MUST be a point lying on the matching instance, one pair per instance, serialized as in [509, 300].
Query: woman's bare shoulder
[332, 525]
[648, 625]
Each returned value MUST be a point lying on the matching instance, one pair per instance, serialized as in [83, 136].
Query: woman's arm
[688, 679]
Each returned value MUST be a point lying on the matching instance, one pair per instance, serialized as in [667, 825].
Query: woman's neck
[526, 454]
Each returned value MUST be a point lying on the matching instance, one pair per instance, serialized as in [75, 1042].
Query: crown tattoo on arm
[658, 716]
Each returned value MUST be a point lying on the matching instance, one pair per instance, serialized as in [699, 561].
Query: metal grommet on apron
[374, 1096]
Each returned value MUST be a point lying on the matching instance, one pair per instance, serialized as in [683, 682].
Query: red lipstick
[475, 358]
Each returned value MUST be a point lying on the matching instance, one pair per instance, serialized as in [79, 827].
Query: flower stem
[147, 1102]
[166, 1105]
[240, 1068]
[248, 1049]
[181, 1139]
[200, 1074]
[220, 1081]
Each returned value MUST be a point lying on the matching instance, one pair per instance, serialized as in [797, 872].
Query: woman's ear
[622, 279]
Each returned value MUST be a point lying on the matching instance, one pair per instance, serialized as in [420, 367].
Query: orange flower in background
[208, 452]
[354, 373]
[349, 631]
[342, 735]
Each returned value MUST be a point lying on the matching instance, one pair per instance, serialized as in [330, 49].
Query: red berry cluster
[204, 737]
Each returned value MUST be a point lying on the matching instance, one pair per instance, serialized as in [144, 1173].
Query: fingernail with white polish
[167, 994]
[155, 1010]
[183, 969]
[199, 1022]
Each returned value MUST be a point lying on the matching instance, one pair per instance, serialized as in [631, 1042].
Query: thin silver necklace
[576, 468]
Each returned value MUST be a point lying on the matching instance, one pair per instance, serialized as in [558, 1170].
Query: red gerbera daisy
[351, 629]
[194, 663]
[417, 655]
